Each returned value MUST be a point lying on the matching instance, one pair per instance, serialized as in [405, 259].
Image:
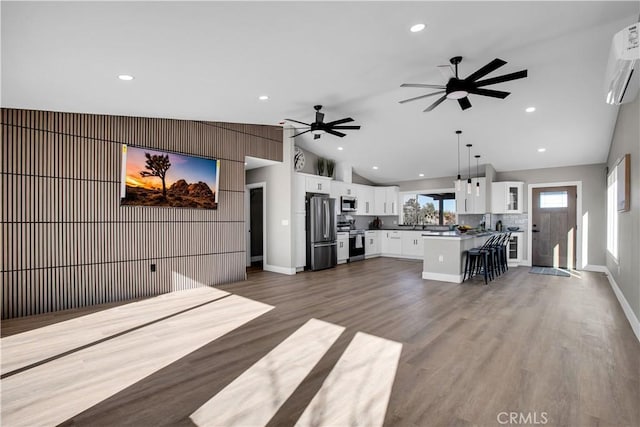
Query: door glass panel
[512, 203]
[553, 199]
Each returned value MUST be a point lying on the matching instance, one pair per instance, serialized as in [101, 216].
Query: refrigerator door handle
[322, 245]
[326, 219]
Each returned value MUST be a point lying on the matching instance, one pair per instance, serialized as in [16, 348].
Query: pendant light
[459, 180]
[469, 163]
[477, 156]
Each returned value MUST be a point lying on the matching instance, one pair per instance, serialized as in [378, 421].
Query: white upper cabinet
[366, 200]
[476, 202]
[506, 197]
[317, 184]
[392, 196]
[386, 200]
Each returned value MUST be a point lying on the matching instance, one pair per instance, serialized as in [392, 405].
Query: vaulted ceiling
[211, 61]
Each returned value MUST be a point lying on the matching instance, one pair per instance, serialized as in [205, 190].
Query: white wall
[626, 272]
[593, 201]
[279, 255]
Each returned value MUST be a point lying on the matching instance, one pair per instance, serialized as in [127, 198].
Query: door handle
[535, 231]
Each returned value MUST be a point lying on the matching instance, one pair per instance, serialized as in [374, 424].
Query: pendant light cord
[469, 161]
[459, 132]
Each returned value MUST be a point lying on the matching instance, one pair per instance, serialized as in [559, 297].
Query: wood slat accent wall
[68, 243]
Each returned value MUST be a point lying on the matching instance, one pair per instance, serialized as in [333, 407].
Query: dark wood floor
[526, 343]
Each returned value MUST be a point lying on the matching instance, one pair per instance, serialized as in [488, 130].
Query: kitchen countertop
[455, 234]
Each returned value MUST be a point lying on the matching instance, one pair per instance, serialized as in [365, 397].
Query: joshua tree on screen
[158, 165]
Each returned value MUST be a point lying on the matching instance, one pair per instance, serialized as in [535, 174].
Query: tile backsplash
[510, 220]
[490, 220]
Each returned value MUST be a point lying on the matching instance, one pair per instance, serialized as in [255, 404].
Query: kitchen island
[444, 253]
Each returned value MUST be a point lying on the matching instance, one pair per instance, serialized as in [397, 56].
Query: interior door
[554, 227]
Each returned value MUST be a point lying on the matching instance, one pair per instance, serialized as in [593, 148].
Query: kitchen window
[428, 209]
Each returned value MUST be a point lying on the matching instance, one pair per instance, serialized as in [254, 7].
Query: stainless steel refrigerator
[322, 246]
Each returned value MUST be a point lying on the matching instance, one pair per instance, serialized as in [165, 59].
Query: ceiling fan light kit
[318, 127]
[460, 89]
[469, 165]
[477, 156]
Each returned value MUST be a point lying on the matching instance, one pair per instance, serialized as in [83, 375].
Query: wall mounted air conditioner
[623, 70]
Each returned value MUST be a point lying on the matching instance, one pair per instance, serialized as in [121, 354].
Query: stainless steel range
[356, 245]
[356, 237]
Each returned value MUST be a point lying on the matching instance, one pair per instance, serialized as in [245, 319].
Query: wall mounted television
[160, 178]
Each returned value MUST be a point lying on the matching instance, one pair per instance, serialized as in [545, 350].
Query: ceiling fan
[318, 127]
[457, 88]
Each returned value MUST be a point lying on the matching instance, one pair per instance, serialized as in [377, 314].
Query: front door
[554, 227]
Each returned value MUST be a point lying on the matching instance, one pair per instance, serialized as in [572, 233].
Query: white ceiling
[211, 61]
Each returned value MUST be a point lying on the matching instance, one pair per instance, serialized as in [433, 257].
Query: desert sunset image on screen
[160, 178]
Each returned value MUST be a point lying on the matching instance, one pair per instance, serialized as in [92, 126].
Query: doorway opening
[554, 226]
[255, 226]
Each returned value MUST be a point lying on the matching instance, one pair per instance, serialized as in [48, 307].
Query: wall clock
[298, 159]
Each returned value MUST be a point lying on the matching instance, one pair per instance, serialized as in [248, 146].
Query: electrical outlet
[440, 258]
[153, 268]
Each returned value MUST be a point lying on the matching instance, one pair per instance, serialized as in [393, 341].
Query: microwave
[348, 204]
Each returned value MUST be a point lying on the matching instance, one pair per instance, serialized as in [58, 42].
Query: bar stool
[500, 253]
[481, 257]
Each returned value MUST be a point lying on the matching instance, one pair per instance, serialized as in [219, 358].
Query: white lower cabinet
[391, 243]
[412, 244]
[371, 243]
[514, 249]
[343, 247]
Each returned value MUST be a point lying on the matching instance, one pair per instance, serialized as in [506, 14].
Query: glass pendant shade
[469, 186]
[458, 183]
[477, 189]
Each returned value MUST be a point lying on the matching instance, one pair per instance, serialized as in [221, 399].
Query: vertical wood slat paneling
[67, 242]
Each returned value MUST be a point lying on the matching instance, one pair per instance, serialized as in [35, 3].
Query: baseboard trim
[441, 277]
[281, 270]
[626, 308]
[597, 269]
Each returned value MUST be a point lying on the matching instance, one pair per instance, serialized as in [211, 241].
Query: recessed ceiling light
[340, 148]
[263, 97]
[541, 150]
[125, 77]
[245, 163]
[375, 168]
[421, 174]
[417, 28]
[530, 109]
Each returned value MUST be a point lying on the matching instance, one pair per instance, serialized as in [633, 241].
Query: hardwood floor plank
[255, 396]
[357, 390]
[49, 394]
[36, 345]
[523, 343]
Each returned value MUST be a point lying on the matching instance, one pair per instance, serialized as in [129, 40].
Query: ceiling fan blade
[488, 92]
[298, 134]
[295, 121]
[435, 104]
[491, 66]
[339, 122]
[505, 78]
[316, 136]
[420, 97]
[333, 132]
[345, 127]
[421, 85]
[319, 117]
[464, 103]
